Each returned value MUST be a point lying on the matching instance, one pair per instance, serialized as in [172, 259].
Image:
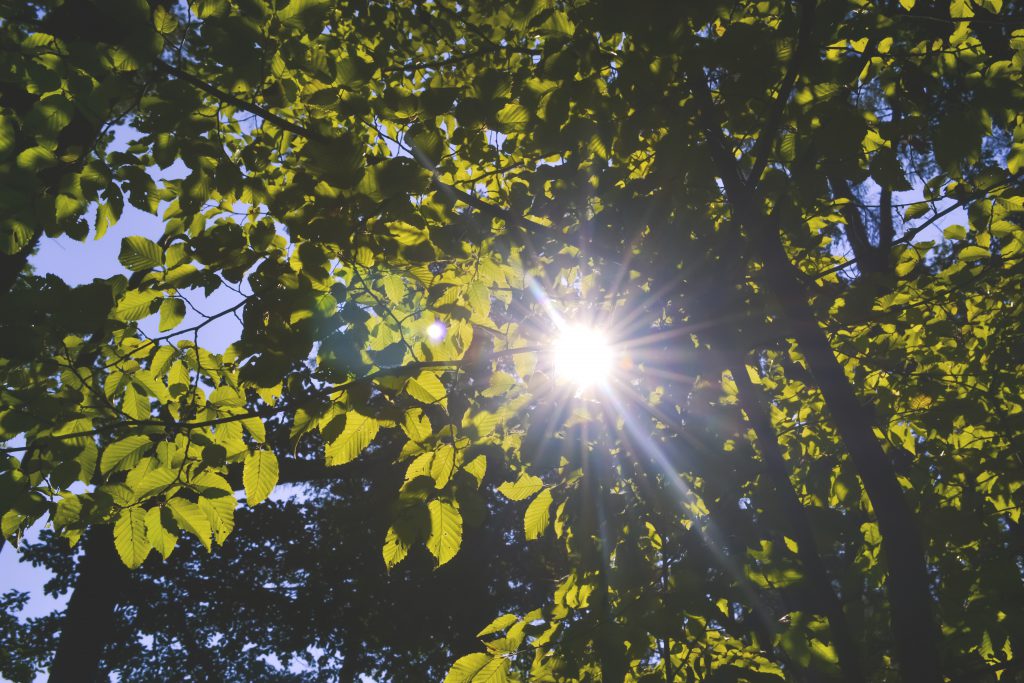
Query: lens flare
[436, 331]
[583, 356]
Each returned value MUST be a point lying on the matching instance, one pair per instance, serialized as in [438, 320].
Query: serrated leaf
[172, 312]
[973, 253]
[124, 454]
[135, 404]
[479, 668]
[394, 288]
[445, 530]
[954, 232]
[538, 515]
[513, 116]
[427, 388]
[357, 434]
[192, 519]
[479, 298]
[498, 625]
[68, 512]
[155, 480]
[916, 210]
[139, 253]
[416, 425]
[219, 507]
[259, 476]
[442, 465]
[477, 468]
[158, 531]
[130, 537]
[153, 386]
[135, 305]
[395, 549]
[257, 430]
[164, 21]
[524, 487]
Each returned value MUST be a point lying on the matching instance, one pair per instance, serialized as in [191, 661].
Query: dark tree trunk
[89, 618]
[752, 401]
[915, 632]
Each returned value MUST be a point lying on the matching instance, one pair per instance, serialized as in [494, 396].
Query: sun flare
[583, 356]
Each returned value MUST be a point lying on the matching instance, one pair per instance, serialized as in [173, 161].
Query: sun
[583, 356]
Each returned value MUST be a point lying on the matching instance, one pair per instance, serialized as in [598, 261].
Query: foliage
[806, 463]
[299, 587]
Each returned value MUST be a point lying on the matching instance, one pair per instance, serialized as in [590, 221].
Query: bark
[915, 632]
[752, 401]
[89, 618]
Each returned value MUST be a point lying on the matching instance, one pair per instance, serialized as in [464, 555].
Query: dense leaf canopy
[797, 222]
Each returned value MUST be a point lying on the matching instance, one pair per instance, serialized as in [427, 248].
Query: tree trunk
[89, 618]
[914, 629]
[752, 401]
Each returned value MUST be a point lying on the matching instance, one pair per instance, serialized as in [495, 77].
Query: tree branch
[762, 146]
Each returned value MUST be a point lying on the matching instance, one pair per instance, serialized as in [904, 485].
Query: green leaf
[442, 465]
[538, 515]
[35, 159]
[479, 668]
[395, 548]
[416, 425]
[139, 253]
[259, 476]
[68, 512]
[955, 232]
[136, 305]
[524, 487]
[172, 312]
[163, 21]
[219, 507]
[135, 403]
[124, 454]
[513, 117]
[359, 431]
[158, 531]
[916, 210]
[8, 135]
[427, 388]
[192, 519]
[498, 625]
[477, 468]
[445, 530]
[973, 253]
[130, 538]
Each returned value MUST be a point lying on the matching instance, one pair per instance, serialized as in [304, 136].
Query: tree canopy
[798, 224]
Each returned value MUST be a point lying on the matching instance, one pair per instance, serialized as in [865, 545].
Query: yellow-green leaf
[359, 431]
[124, 454]
[538, 515]
[135, 305]
[479, 668]
[139, 253]
[130, 538]
[416, 425]
[445, 530]
[972, 253]
[172, 312]
[427, 388]
[158, 531]
[192, 519]
[395, 549]
[259, 476]
[524, 487]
